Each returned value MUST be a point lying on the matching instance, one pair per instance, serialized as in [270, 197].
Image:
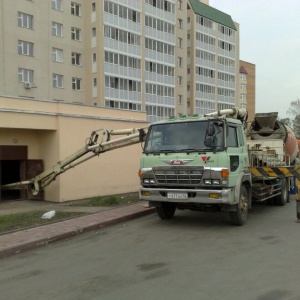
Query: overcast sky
[270, 39]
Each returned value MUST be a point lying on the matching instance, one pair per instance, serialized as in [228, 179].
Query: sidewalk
[24, 240]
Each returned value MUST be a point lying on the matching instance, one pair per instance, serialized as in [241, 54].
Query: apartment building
[247, 88]
[123, 62]
[164, 57]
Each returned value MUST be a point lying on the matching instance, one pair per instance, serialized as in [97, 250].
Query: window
[57, 4]
[243, 97]
[75, 34]
[180, 99]
[93, 6]
[25, 75]
[25, 20]
[57, 29]
[94, 57]
[57, 54]
[76, 59]
[179, 80]
[93, 32]
[204, 22]
[25, 48]
[179, 61]
[243, 86]
[75, 9]
[122, 36]
[241, 136]
[76, 84]
[58, 81]
[243, 76]
[232, 137]
[180, 24]
[180, 43]
[180, 4]
[94, 82]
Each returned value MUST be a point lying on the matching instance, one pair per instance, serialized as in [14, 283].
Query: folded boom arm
[91, 149]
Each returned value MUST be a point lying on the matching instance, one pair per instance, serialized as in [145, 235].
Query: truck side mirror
[209, 141]
[142, 135]
[210, 133]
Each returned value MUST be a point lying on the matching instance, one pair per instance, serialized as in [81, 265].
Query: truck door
[237, 154]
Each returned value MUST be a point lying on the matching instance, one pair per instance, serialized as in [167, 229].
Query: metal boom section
[93, 147]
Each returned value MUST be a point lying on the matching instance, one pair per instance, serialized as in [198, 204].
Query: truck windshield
[180, 137]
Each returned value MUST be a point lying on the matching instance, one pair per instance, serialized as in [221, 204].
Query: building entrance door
[15, 167]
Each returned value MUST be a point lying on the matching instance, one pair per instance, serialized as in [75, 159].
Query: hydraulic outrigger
[99, 142]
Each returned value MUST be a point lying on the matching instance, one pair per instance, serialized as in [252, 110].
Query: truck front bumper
[224, 196]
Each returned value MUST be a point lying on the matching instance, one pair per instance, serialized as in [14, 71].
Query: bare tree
[286, 121]
[294, 112]
[294, 109]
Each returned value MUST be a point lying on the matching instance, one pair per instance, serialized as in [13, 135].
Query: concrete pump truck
[210, 162]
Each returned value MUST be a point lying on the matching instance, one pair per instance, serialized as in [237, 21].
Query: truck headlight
[216, 181]
[212, 181]
[207, 181]
[148, 181]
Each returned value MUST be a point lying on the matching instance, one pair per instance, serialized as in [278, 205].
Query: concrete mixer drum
[266, 127]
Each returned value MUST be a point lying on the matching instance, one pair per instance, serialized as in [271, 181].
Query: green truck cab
[197, 163]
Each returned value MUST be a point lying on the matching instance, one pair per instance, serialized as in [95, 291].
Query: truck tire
[239, 217]
[282, 199]
[166, 211]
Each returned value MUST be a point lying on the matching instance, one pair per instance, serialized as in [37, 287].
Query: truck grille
[182, 177]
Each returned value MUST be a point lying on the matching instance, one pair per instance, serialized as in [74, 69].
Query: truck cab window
[232, 137]
[241, 136]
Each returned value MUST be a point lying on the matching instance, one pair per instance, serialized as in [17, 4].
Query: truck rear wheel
[239, 217]
[282, 199]
[166, 210]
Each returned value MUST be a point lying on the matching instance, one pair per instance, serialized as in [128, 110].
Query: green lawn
[26, 220]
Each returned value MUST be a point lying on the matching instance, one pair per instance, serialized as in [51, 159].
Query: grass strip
[116, 200]
[20, 221]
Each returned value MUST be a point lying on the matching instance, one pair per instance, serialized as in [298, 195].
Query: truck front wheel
[239, 217]
[166, 210]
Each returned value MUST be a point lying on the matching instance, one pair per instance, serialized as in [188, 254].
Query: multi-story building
[165, 57]
[131, 60]
[247, 88]
[213, 55]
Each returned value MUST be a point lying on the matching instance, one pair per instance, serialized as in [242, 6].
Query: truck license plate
[177, 195]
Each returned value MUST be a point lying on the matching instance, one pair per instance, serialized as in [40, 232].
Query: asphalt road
[193, 256]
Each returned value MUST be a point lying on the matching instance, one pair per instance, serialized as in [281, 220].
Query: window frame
[25, 75]
[57, 54]
[25, 20]
[76, 59]
[75, 34]
[179, 61]
[76, 84]
[57, 29]
[56, 4]
[25, 48]
[75, 9]
[57, 81]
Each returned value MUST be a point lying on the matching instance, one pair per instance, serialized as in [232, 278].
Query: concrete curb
[25, 240]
